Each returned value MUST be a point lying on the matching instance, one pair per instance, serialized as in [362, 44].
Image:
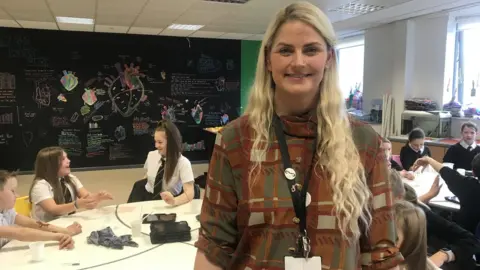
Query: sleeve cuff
[215, 254]
[383, 259]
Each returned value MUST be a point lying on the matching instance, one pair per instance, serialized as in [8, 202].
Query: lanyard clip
[304, 243]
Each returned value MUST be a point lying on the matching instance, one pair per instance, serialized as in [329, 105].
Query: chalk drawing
[74, 117]
[89, 97]
[120, 133]
[42, 94]
[69, 80]
[6, 119]
[27, 137]
[7, 81]
[62, 98]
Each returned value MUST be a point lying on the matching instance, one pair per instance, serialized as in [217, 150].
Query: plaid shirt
[247, 225]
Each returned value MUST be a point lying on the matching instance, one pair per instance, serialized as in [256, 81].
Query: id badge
[313, 263]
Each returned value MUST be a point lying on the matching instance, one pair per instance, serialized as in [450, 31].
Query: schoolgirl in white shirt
[55, 191]
[168, 172]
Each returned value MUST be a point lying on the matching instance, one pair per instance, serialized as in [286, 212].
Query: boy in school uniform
[462, 153]
[22, 228]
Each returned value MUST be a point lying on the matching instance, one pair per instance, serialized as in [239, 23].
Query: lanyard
[298, 193]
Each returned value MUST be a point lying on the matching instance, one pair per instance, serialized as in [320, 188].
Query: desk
[16, 254]
[423, 182]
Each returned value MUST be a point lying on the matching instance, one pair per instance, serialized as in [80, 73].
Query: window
[467, 67]
[350, 66]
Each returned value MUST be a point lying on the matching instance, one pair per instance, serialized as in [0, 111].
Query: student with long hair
[55, 191]
[295, 177]
[412, 236]
[414, 149]
[169, 174]
[14, 226]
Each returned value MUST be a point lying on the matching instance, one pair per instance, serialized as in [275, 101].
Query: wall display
[100, 96]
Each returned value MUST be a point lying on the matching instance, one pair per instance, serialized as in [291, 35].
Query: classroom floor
[118, 182]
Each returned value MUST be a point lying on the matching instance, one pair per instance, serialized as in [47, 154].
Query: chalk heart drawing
[69, 80]
[27, 137]
[126, 96]
[89, 97]
[197, 114]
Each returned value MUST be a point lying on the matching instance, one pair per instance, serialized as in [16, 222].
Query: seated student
[22, 228]
[414, 149]
[168, 171]
[466, 188]
[54, 191]
[387, 146]
[412, 236]
[462, 153]
[451, 244]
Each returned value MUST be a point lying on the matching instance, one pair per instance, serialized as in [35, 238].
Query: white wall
[407, 59]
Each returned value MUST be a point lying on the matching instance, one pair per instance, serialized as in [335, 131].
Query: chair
[23, 206]
[396, 158]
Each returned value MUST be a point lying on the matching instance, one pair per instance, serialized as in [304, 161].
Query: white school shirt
[41, 191]
[7, 218]
[466, 145]
[183, 173]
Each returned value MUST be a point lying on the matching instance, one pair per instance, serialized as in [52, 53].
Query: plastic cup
[37, 250]
[136, 226]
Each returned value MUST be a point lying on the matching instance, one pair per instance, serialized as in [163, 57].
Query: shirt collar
[421, 149]
[466, 145]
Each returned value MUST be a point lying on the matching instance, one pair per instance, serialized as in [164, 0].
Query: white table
[423, 182]
[16, 254]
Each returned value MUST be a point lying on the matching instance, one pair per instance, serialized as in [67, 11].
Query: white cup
[37, 250]
[448, 164]
[136, 226]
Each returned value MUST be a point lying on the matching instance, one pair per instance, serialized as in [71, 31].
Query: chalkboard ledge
[104, 168]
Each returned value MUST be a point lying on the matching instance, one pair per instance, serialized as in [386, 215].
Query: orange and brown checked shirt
[247, 225]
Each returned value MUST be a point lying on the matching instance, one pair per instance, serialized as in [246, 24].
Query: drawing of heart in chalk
[27, 137]
[84, 110]
[62, 98]
[197, 114]
[69, 80]
[89, 97]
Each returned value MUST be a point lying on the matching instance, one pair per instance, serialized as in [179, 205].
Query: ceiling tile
[215, 6]
[31, 15]
[110, 19]
[4, 15]
[177, 33]
[72, 8]
[175, 6]
[76, 27]
[152, 22]
[206, 34]
[38, 25]
[111, 29]
[235, 36]
[8, 23]
[24, 4]
[198, 17]
[144, 30]
[126, 7]
[254, 37]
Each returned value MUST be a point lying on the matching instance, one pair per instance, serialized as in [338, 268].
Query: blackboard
[99, 96]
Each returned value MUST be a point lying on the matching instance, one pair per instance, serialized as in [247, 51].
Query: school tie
[159, 178]
[66, 192]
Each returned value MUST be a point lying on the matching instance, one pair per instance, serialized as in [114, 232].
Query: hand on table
[168, 197]
[439, 258]
[408, 175]
[65, 241]
[74, 229]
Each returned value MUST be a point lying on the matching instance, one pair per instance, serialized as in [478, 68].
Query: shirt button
[296, 220]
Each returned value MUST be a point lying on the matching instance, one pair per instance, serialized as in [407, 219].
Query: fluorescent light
[75, 20]
[190, 27]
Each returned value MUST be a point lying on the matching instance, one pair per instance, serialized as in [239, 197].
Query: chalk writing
[207, 64]
[198, 146]
[70, 142]
[120, 151]
[188, 84]
[95, 143]
[7, 81]
[6, 119]
[60, 121]
[6, 138]
[213, 119]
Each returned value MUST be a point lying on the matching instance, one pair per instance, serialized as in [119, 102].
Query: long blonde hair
[411, 220]
[336, 150]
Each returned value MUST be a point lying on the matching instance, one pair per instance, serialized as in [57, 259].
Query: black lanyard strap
[297, 192]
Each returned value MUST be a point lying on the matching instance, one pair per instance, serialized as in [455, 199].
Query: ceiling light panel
[188, 27]
[356, 8]
[75, 20]
[228, 1]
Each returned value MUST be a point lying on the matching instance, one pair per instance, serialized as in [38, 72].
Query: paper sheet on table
[126, 209]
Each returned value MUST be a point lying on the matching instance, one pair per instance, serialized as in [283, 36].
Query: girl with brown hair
[55, 191]
[168, 171]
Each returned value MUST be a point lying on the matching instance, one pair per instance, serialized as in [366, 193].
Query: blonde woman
[412, 236]
[295, 177]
